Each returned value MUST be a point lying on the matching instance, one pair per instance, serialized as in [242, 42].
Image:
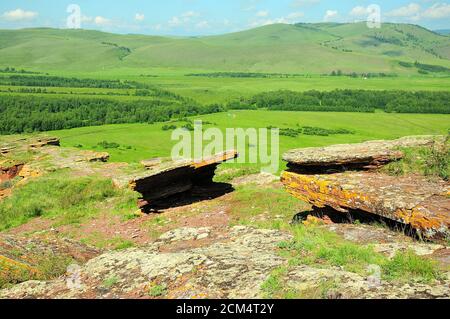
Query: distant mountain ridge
[280, 48]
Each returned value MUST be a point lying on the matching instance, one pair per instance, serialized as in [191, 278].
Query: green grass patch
[70, 200]
[320, 248]
[156, 290]
[274, 286]
[427, 161]
[406, 265]
[98, 240]
[264, 207]
[110, 282]
[316, 246]
[226, 175]
[48, 268]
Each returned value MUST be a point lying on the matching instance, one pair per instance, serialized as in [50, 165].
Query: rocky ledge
[234, 265]
[370, 154]
[413, 200]
[165, 178]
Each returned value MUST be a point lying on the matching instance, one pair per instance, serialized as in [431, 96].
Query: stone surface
[26, 158]
[13, 145]
[23, 257]
[411, 200]
[186, 234]
[173, 177]
[233, 268]
[152, 162]
[371, 154]
[44, 141]
[338, 284]
[9, 172]
[389, 242]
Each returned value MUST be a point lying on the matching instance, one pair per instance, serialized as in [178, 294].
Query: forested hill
[280, 48]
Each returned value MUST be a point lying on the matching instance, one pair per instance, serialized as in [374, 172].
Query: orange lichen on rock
[411, 200]
[27, 171]
[11, 270]
[316, 221]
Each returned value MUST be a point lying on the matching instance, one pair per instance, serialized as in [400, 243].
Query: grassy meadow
[143, 141]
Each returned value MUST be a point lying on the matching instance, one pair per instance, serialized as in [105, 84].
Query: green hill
[281, 48]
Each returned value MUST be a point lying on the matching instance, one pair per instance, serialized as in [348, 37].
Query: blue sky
[204, 17]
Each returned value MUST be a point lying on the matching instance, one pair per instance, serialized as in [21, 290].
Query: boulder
[44, 141]
[22, 144]
[175, 177]
[343, 178]
[152, 162]
[91, 156]
[410, 200]
[369, 154]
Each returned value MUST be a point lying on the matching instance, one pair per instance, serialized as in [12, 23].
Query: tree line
[425, 68]
[56, 81]
[349, 101]
[10, 69]
[34, 113]
[20, 114]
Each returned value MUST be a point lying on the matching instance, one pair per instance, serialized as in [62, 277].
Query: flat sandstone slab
[411, 200]
[374, 153]
[161, 179]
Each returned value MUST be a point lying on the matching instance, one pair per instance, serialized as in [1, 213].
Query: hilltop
[301, 48]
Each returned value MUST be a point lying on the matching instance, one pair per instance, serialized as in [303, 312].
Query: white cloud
[190, 14]
[294, 16]
[183, 19]
[102, 21]
[290, 18]
[359, 11]
[408, 11]
[414, 12]
[330, 14]
[263, 13]
[202, 25]
[158, 27]
[139, 17]
[175, 21]
[19, 14]
[437, 11]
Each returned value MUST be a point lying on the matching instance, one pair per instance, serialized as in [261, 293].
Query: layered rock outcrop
[344, 184]
[372, 154]
[163, 179]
